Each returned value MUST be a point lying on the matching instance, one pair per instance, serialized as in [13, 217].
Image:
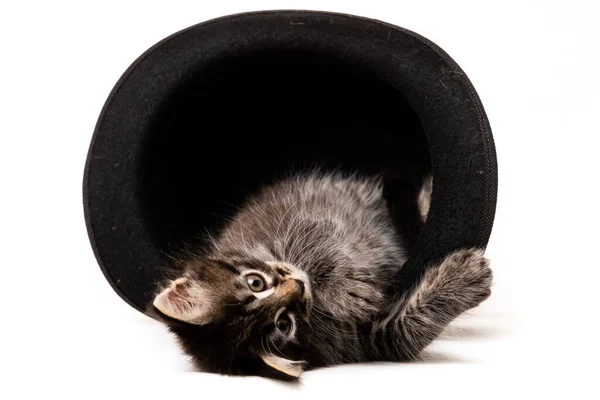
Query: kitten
[298, 280]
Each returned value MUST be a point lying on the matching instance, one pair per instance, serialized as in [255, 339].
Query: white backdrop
[535, 65]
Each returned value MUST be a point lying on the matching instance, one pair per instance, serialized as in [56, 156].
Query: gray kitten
[297, 280]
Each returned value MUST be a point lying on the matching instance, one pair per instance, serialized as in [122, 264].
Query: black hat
[213, 111]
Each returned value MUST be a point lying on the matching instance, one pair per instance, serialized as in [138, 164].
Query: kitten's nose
[301, 285]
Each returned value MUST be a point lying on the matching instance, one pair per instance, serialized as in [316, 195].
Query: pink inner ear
[184, 300]
[178, 294]
[175, 301]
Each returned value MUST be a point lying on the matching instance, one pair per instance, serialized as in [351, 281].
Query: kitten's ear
[186, 301]
[282, 368]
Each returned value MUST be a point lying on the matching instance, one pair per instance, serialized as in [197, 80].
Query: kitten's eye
[284, 324]
[256, 283]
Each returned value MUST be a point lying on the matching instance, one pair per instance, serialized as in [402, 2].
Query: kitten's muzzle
[304, 300]
[301, 285]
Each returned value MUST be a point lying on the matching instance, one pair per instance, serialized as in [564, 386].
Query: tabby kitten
[297, 280]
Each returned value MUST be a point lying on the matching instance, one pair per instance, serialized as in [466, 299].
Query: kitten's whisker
[279, 351]
[262, 344]
[269, 347]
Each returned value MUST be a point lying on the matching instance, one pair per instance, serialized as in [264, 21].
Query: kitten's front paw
[464, 277]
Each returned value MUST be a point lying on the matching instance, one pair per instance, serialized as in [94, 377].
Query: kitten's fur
[326, 247]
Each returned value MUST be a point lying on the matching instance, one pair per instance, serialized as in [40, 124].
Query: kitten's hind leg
[408, 200]
[424, 197]
[460, 282]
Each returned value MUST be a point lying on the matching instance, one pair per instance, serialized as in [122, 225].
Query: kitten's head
[239, 316]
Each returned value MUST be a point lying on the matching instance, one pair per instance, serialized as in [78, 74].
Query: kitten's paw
[464, 278]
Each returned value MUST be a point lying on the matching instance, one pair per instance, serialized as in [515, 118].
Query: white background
[65, 333]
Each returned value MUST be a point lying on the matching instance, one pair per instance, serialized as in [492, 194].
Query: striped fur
[327, 248]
